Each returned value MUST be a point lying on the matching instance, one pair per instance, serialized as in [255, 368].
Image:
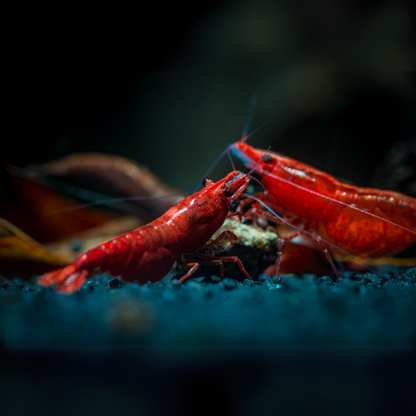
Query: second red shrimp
[149, 252]
[362, 222]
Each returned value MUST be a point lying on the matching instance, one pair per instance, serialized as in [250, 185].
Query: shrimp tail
[73, 283]
[70, 278]
[67, 279]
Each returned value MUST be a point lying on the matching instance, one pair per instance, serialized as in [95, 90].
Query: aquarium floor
[368, 309]
[279, 346]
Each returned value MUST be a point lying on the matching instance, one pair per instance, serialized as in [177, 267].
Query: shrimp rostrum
[149, 252]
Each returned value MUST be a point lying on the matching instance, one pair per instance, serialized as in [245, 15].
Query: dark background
[339, 76]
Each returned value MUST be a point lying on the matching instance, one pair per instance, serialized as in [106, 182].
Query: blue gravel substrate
[361, 310]
[279, 346]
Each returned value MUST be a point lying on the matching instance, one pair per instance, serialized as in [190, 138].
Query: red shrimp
[363, 222]
[149, 252]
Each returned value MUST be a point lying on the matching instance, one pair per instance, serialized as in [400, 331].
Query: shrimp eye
[228, 192]
[204, 181]
[267, 159]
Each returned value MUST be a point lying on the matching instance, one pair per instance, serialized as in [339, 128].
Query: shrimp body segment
[149, 252]
[316, 202]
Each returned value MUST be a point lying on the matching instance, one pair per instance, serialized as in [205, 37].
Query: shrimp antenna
[226, 147]
[252, 170]
[243, 139]
[254, 167]
[250, 115]
[307, 232]
[341, 203]
[108, 202]
[95, 198]
[212, 168]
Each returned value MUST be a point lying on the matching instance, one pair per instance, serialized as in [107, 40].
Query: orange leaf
[16, 248]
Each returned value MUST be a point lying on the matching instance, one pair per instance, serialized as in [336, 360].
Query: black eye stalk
[228, 192]
[204, 181]
[267, 159]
